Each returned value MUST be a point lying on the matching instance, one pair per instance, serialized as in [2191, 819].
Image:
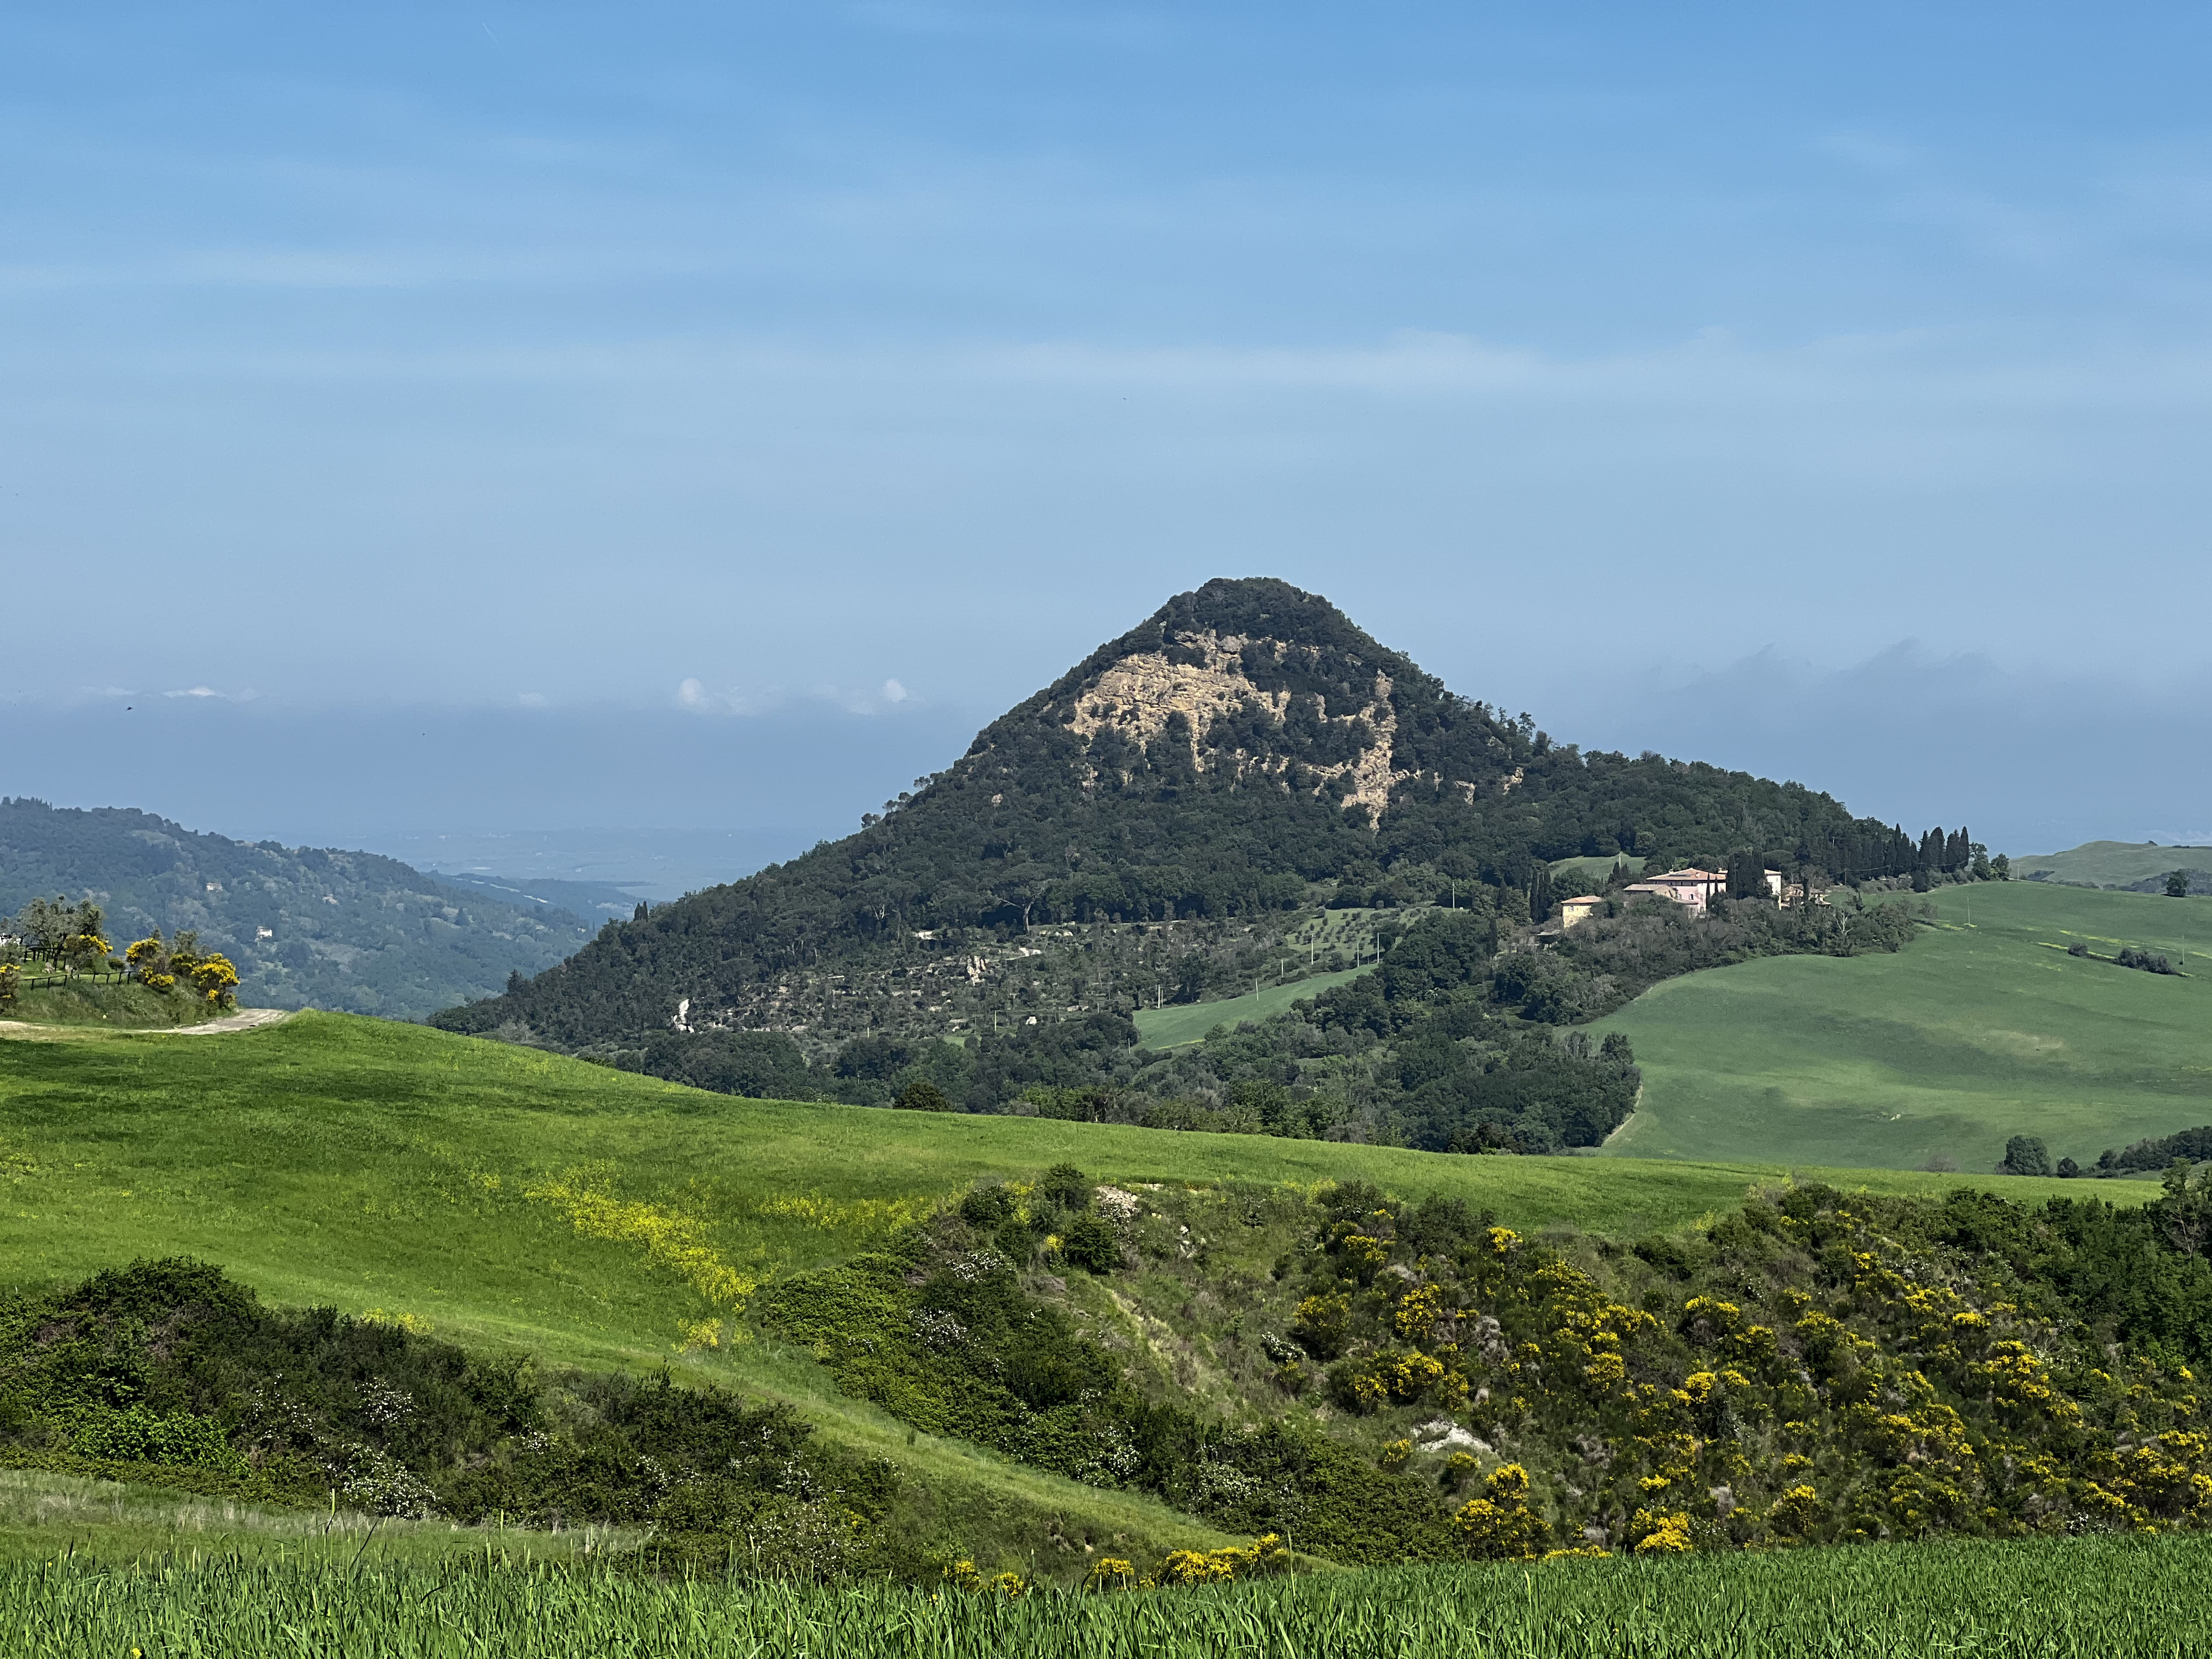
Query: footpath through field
[245, 1019]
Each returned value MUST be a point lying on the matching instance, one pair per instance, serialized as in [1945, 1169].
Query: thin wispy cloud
[694, 696]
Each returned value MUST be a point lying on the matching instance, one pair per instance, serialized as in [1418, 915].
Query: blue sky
[435, 394]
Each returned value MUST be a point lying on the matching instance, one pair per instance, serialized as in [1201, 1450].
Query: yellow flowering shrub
[215, 979]
[1416, 1315]
[1413, 1376]
[964, 1575]
[1110, 1572]
[1322, 1324]
[1364, 1254]
[1499, 1525]
[1262, 1555]
[1663, 1534]
[1794, 1512]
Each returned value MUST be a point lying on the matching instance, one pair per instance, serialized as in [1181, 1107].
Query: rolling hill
[521, 1202]
[306, 927]
[1181, 818]
[1984, 1028]
[2138, 867]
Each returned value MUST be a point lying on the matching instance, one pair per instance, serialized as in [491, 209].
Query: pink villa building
[1692, 887]
[1695, 887]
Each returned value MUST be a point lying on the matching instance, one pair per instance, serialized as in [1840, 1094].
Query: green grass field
[2100, 1598]
[1170, 1028]
[1983, 1028]
[503, 1196]
[43, 1515]
[2113, 863]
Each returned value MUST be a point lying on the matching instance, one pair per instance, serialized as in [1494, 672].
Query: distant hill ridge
[2134, 867]
[1245, 750]
[306, 927]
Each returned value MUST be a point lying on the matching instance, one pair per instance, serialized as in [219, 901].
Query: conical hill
[1245, 752]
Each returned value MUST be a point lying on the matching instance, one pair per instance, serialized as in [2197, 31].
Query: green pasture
[340, 1160]
[504, 1197]
[1172, 1027]
[1981, 1029]
[2113, 863]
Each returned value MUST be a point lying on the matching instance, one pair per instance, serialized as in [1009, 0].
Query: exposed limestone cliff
[1140, 694]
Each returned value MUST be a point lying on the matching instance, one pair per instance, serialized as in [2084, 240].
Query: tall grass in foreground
[2094, 1597]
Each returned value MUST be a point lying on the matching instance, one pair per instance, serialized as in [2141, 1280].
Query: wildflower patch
[676, 1243]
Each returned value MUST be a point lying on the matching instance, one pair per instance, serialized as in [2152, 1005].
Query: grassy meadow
[501, 1196]
[1983, 1028]
[1572, 876]
[2111, 863]
[1172, 1027]
[2070, 1599]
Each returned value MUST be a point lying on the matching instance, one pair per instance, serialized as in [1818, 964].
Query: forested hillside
[1178, 816]
[1243, 747]
[306, 927]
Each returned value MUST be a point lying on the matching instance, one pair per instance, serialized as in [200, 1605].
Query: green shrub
[1065, 1185]
[2026, 1154]
[168, 1371]
[988, 1206]
[922, 1096]
[1091, 1245]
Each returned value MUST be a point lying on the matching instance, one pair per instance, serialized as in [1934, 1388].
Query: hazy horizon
[2031, 764]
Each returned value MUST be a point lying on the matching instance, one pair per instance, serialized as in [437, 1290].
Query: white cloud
[194, 691]
[695, 695]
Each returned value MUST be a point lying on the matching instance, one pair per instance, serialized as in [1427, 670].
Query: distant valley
[306, 927]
